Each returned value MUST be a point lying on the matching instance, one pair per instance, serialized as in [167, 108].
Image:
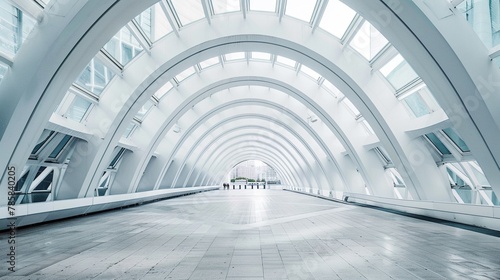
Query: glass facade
[15, 26]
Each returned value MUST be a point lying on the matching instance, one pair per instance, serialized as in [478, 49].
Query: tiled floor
[252, 234]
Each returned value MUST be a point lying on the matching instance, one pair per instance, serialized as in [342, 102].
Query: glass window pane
[144, 110]
[78, 109]
[368, 41]
[263, 5]
[456, 139]
[209, 62]
[301, 9]
[438, 144]
[337, 18]
[95, 77]
[261, 55]
[130, 128]
[123, 46]
[46, 134]
[163, 90]
[224, 6]
[188, 10]
[161, 26]
[331, 88]
[234, 56]
[417, 105]
[398, 72]
[15, 27]
[286, 61]
[144, 20]
[185, 74]
[309, 72]
[60, 147]
[351, 107]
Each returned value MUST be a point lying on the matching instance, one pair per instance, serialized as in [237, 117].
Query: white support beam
[244, 7]
[356, 24]
[110, 62]
[169, 16]
[206, 10]
[138, 34]
[494, 52]
[281, 8]
[319, 14]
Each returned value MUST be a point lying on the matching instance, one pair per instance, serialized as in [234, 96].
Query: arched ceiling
[251, 84]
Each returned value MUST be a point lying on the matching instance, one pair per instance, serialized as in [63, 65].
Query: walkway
[252, 234]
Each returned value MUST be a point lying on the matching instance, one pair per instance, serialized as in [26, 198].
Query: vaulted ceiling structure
[395, 99]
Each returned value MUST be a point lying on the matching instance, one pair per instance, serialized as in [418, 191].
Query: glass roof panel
[368, 41]
[95, 77]
[393, 63]
[224, 6]
[3, 69]
[301, 9]
[123, 46]
[309, 72]
[286, 61]
[263, 5]
[161, 26]
[209, 62]
[331, 88]
[144, 110]
[337, 18]
[351, 107]
[188, 10]
[234, 56]
[145, 21]
[59, 148]
[130, 128]
[163, 90]
[456, 139]
[78, 109]
[15, 26]
[402, 75]
[417, 104]
[261, 56]
[438, 144]
[185, 74]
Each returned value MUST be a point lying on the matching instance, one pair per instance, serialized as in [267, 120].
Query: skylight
[261, 56]
[301, 9]
[15, 26]
[286, 61]
[309, 72]
[144, 110]
[209, 62]
[78, 109]
[263, 5]
[225, 6]
[185, 74]
[234, 56]
[351, 107]
[331, 88]
[123, 46]
[188, 10]
[163, 90]
[399, 73]
[161, 26]
[368, 41]
[337, 18]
